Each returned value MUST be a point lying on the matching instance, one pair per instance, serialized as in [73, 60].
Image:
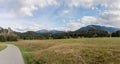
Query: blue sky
[33, 15]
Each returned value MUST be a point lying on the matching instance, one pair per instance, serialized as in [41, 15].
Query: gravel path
[11, 55]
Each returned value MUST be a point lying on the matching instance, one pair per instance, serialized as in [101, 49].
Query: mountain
[49, 31]
[98, 27]
[109, 29]
[55, 31]
[42, 31]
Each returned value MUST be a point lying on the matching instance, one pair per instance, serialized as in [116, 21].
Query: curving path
[11, 55]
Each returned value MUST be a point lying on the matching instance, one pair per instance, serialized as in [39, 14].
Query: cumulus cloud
[111, 17]
[26, 7]
[111, 4]
[83, 3]
[88, 20]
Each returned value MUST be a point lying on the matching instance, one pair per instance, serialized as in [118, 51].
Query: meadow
[71, 51]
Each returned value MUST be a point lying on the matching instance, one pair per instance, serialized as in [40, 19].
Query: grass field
[71, 51]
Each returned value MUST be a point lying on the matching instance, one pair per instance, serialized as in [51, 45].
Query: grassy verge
[27, 57]
[2, 47]
[71, 51]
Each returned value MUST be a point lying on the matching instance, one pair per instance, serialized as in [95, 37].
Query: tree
[2, 38]
[116, 34]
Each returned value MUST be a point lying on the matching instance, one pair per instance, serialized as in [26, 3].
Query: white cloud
[111, 17]
[27, 10]
[88, 20]
[9, 19]
[111, 4]
[66, 11]
[33, 27]
[84, 3]
[26, 7]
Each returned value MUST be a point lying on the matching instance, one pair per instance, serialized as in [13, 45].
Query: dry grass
[72, 51]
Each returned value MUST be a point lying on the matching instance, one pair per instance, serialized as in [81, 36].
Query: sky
[67, 15]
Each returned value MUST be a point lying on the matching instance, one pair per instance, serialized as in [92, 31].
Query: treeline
[4, 38]
[116, 34]
[30, 35]
[7, 35]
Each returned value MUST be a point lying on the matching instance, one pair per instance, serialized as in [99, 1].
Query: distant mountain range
[109, 29]
[49, 31]
[42, 31]
[87, 31]
[98, 27]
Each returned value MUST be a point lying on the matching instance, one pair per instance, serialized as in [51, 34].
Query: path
[11, 55]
